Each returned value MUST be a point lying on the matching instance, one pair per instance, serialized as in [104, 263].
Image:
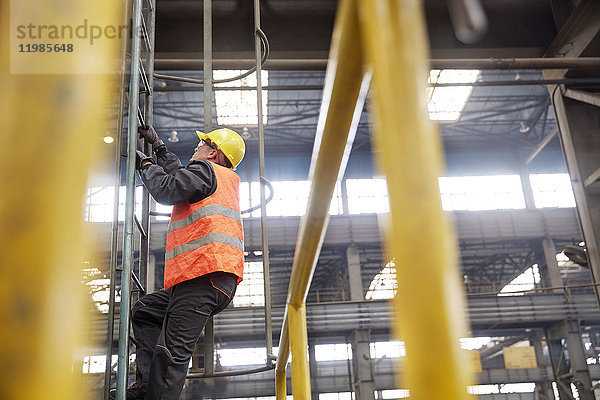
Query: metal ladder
[140, 61]
[142, 71]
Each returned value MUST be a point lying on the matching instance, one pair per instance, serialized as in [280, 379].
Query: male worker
[204, 258]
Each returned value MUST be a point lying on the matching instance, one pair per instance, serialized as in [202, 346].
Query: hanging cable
[265, 56]
[271, 192]
[246, 211]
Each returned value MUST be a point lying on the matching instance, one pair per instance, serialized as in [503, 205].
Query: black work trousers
[167, 325]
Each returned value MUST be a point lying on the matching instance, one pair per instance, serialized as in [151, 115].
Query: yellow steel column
[282, 357]
[344, 94]
[430, 303]
[299, 347]
[280, 384]
[51, 128]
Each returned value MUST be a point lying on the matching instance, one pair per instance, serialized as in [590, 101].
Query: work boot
[132, 393]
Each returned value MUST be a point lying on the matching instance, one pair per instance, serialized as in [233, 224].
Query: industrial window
[288, 397]
[525, 281]
[333, 352]
[367, 196]
[383, 285]
[242, 356]
[99, 203]
[483, 389]
[164, 209]
[291, 198]
[97, 364]
[472, 193]
[447, 103]
[390, 349]
[474, 343]
[98, 285]
[337, 396]
[525, 387]
[238, 107]
[250, 292]
[552, 190]
[395, 394]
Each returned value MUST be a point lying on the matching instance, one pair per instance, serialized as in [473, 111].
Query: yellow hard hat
[229, 142]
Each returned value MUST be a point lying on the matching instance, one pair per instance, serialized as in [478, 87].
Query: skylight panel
[552, 190]
[473, 193]
[525, 281]
[238, 107]
[383, 285]
[447, 103]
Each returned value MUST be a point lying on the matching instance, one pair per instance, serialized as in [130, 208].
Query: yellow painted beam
[344, 94]
[283, 355]
[52, 128]
[280, 384]
[299, 347]
[429, 305]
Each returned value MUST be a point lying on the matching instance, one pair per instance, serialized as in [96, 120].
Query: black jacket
[170, 183]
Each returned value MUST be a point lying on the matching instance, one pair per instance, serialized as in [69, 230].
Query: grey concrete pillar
[314, 372]
[362, 365]
[579, 125]
[578, 359]
[569, 362]
[354, 275]
[526, 183]
[543, 390]
[549, 271]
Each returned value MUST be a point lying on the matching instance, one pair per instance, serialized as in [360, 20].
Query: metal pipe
[262, 173]
[134, 88]
[530, 82]
[393, 35]
[265, 42]
[209, 344]
[148, 120]
[491, 63]
[344, 94]
[232, 373]
[114, 238]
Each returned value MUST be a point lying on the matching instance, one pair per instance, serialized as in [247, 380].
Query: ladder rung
[150, 7]
[140, 118]
[145, 35]
[160, 214]
[140, 227]
[137, 282]
[146, 83]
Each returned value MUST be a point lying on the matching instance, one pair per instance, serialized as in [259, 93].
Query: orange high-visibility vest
[207, 236]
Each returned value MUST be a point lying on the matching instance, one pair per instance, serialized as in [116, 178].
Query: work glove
[148, 133]
[140, 158]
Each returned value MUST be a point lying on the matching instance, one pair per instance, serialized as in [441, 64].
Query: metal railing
[388, 40]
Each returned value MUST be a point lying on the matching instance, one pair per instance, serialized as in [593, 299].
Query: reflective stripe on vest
[205, 212]
[214, 237]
